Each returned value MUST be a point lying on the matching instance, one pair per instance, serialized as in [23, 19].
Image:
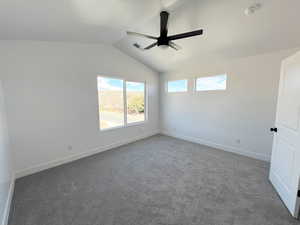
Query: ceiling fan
[164, 40]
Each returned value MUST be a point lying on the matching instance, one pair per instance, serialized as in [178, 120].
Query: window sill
[125, 126]
[136, 123]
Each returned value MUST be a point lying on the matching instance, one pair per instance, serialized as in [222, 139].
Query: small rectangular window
[177, 86]
[111, 102]
[135, 96]
[211, 83]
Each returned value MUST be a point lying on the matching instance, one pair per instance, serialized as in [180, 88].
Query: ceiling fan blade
[175, 46]
[151, 46]
[141, 35]
[186, 35]
[164, 16]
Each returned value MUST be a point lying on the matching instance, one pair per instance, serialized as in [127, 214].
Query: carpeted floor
[155, 181]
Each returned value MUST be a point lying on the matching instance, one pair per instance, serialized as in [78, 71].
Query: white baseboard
[57, 162]
[8, 202]
[219, 146]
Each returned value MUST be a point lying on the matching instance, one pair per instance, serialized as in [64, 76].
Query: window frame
[199, 91]
[177, 92]
[126, 124]
[145, 105]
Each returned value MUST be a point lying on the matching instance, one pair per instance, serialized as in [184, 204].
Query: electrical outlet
[70, 147]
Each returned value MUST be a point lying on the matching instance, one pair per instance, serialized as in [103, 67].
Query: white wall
[6, 167]
[52, 101]
[245, 111]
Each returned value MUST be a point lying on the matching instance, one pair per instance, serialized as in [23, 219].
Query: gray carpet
[155, 181]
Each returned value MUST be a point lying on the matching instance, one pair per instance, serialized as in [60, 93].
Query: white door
[285, 162]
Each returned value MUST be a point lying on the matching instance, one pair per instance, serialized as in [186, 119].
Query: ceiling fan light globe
[163, 46]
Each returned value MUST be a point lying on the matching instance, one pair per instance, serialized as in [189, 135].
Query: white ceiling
[227, 31]
[87, 21]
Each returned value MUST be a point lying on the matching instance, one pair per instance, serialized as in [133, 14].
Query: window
[135, 94]
[211, 83]
[111, 102]
[120, 102]
[177, 86]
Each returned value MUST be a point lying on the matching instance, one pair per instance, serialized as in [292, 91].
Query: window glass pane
[211, 83]
[177, 86]
[135, 92]
[111, 102]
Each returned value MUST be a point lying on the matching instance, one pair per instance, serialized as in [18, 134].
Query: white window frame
[125, 104]
[176, 92]
[195, 83]
[145, 104]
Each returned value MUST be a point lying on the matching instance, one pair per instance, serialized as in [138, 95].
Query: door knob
[274, 129]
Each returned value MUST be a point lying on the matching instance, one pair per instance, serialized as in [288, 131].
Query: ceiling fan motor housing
[162, 41]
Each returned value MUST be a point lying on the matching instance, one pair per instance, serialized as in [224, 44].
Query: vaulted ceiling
[228, 32]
